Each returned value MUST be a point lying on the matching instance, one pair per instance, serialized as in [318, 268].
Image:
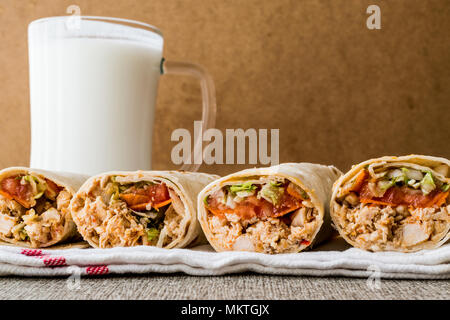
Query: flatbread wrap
[34, 206]
[279, 209]
[394, 204]
[155, 208]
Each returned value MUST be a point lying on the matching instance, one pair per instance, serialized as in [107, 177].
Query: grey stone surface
[246, 286]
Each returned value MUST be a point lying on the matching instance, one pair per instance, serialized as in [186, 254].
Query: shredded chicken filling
[262, 215]
[32, 209]
[394, 207]
[131, 214]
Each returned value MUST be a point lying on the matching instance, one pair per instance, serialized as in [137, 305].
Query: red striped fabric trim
[31, 252]
[97, 270]
[55, 262]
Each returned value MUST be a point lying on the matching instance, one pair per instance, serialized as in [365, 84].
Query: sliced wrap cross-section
[394, 203]
[124, 209]
[34, 206]
[279, 209]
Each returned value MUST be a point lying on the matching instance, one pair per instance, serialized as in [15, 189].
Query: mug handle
[208, 97]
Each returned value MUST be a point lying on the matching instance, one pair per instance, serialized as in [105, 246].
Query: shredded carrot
[23, 203]
[439, 199]
[143, 206]
[6, 195]
[219, 213]
[162, 204]
[140, 206]
[360, 178]
[287, 210]
[10, 197]
[376, 202]
[133, 199]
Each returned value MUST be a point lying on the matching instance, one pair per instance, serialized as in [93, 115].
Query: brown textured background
[339, 93]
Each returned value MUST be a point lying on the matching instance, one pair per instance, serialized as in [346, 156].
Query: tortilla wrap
[279, 209]
[122, 209]
[67, 245]
[34, 206]
[394, 203]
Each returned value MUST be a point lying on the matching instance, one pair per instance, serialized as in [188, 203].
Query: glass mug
[93, 87]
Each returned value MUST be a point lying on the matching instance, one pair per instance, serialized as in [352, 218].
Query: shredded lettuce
[427, 184]
[38, 185]
[409, 177]
[205, 200]
[152, 234]
[398, 176]
[404, 178]
[137, 185]
[304, 194]
[143, 184]
[412, 174]
[39, 195]
[276, 183]
[247, 186]
[445, 187]
[114, 191]
[245, 193]
[115, 196]
[386, 184]
[271, 193]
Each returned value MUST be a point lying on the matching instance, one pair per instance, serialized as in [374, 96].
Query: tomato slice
[396, 195]
[155, 195]
[22, 193]
[251, 207]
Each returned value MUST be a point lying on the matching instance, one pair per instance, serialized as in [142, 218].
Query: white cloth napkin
[332, 259]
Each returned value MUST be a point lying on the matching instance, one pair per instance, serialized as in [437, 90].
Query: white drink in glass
[93, 93]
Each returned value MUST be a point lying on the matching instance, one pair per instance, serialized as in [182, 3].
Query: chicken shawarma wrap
[34, 206]
[279, 209]
[394, 204]
[155, 208]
